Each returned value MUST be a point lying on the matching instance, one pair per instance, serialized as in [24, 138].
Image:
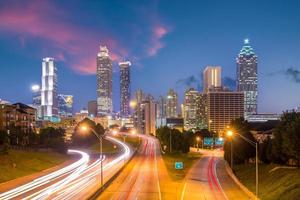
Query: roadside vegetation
[188, 160]
[21, 163]
[281, 183]
[280, 149]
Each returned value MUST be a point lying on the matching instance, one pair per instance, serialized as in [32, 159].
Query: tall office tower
[49, 105]
[171, 104]
[124, 88]
[148, 111]
[92, 108]
[139, 97]
[161, 111]
[36, 100]
[65, 105]
[202, 111]
[36, 95]
[161, 107]
[223, 107]
[195, 109]
[190, 109]
[211, 77]
[104, 83]
[247, 78]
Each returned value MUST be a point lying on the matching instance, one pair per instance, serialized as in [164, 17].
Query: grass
[21, 163]
[133, 141]
[187, 159]
[279, 184]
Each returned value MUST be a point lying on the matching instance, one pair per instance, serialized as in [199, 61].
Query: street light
[100, 137]
[254, 144]
[198, 139]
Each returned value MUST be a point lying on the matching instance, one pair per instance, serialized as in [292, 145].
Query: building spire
[246, 41]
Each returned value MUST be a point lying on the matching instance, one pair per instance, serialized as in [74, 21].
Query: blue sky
[168, 42]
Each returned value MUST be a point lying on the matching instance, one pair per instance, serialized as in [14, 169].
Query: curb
[246, 190]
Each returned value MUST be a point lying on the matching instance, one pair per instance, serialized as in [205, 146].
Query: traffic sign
[178, 165]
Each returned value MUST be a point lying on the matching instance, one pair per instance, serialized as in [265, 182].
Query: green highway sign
[178, 165]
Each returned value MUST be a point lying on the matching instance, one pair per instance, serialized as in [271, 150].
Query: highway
[79, 180]
[208, 179]
[142, 180]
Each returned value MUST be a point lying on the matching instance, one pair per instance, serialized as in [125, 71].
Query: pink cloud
[156, 44]
[40, 20]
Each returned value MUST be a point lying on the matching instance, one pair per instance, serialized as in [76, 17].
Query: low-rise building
[18, 115]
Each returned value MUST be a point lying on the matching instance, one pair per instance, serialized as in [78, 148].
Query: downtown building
[223, 106]
[144, 116]
[49, 105]
[104, 83]
[37, 100]
[17, 115]
[195, 109]
[211, 77]
[92, 108]
[125, 89]
[171, 104]
[65, 105]
[247, 78]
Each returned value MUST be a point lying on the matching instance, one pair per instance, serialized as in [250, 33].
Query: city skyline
[274, 63]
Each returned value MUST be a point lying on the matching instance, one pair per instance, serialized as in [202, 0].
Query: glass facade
[247, 78]
[104, 83]
[124, 88]
[65, 105]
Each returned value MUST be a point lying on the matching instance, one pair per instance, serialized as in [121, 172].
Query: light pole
[100, 137]
[254, 144]
[198, 138]
[170, 140]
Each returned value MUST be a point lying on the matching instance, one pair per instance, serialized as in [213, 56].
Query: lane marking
[215, 171]
[183, 191]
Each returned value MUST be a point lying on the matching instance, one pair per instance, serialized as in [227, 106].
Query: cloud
[158, 32]
[294, 74]
[42, 21]
[291, 73]
[229, 82]
[190, 81]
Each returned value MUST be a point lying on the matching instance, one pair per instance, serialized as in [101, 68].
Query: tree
[53, 138]
[286, 142]
[87, 138]
[242, 149]
[180, 142]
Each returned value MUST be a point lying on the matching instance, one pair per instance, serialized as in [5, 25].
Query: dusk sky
[168, 42]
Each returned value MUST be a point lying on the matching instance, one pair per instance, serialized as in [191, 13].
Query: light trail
[47, 178]
[71, 180]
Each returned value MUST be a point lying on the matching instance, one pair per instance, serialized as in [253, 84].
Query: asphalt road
[208, 179]
[76, 181]
[140, 179]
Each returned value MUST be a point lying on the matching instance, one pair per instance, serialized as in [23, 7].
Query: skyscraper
[195, 109]
[247, 78]
[171, 104]
[36, 100]
[148, 111]
[49, 106]
[65, 105]
[104, 82]
[92, 108]
[124, 88]
[139, 97]
[211, 77]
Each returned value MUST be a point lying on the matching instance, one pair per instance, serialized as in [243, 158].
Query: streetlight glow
[114, 132]
[229, 133]
[198, 139]
[132, 104]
